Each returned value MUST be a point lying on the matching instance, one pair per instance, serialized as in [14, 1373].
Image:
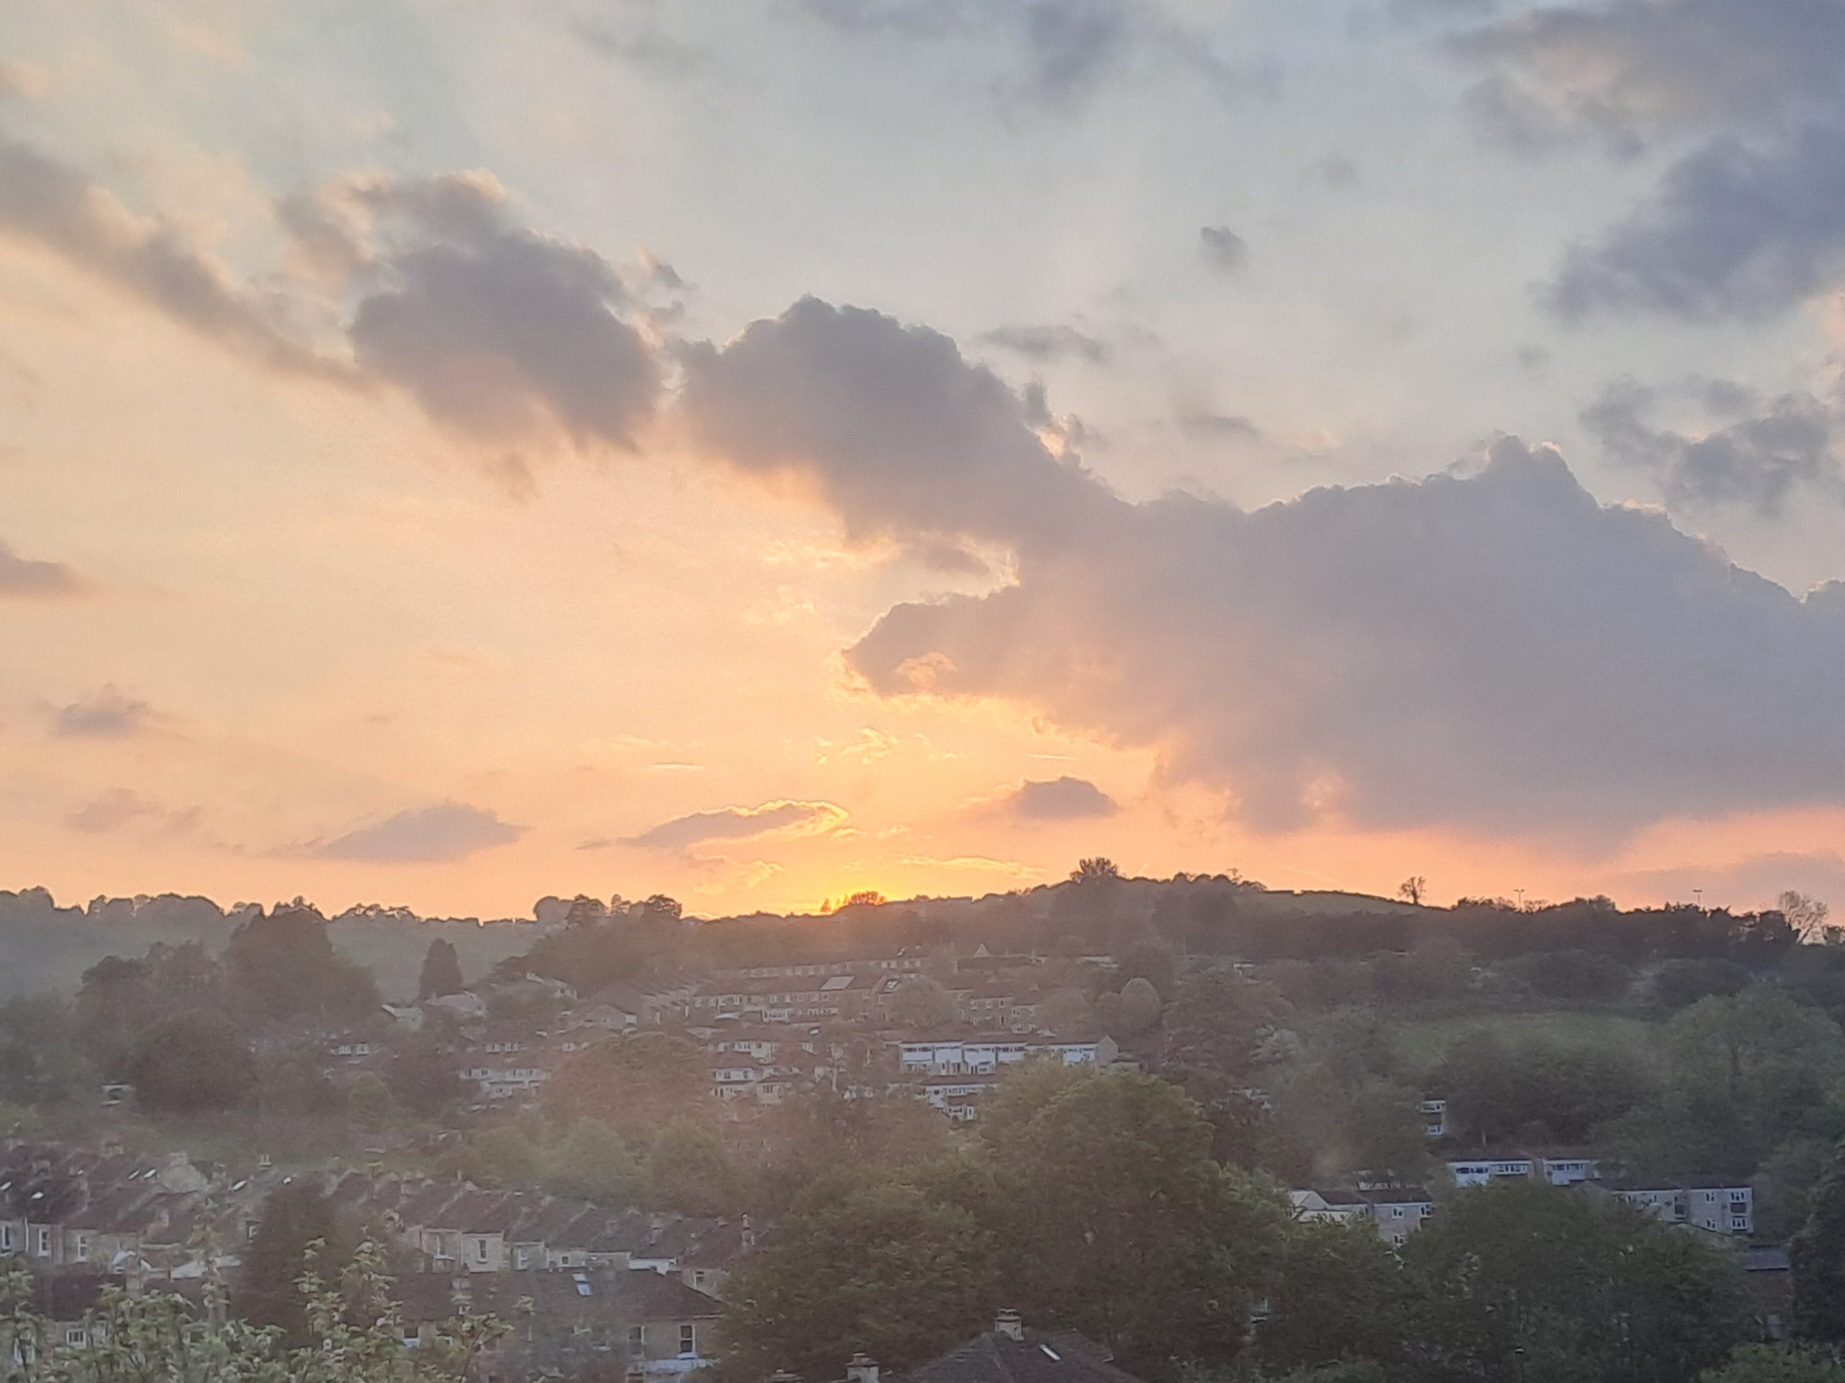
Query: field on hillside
[1425, 1041]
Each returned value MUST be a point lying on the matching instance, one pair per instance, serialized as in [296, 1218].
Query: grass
[1423, 1042]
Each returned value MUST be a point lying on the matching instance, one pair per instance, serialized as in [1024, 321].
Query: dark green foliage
[692, 1171]
[41, 1063]
[1570, 976]
[1535, 1089]
[637, 1083]
[441, 971]
[1336, 1293]
[296, 1215]
[1783, 1363]
[281, 968]
[423, 1077]
[1680, 983]
[192, 1063]
[1536, 1283]
[1818, 1254]
[885, 1268]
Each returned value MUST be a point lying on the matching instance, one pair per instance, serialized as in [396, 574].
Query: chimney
[1010, 1324]
[862, 1368]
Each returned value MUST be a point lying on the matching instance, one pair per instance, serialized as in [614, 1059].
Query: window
[81, 1250]
[6, 1238]
[1739, 1223]
[42, 1246]
[688, 1339]
[698, 1278]
[76, 1335]
[637, 1338]
[480, 1250]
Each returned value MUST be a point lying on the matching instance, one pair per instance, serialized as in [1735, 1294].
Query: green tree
[1783, 1363]
[1113, 1218]
[41, 1064]
[1136, 1008]
[691, 1171]
[592, 1163]
[884, 1268]
[1500, 1090]
[282, 967]
[1536, 1283]
[441, 970]
[922, 1003]
[422, 1075]
[1337, 1294]
[191, 1063]
[1818, 1254]
[297, 1218]
[636, 1083]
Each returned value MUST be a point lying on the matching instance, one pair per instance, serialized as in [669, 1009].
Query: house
[587, 1323]
[1011, 1353]
[956, 1056]
[1396, 1212]
[1434, 1117]
[1484, 1170]
[796, 998]
[1715, 1205]
[1768, 1280]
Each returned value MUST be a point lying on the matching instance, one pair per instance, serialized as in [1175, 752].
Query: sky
[457, 451]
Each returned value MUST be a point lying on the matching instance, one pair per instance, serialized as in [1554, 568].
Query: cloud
[1754, 882]
[1747, 224]
[1777, 447]
[1497, 651]
[1058, 53]
[1048, 343]
[1222, 248]
[506, 337]
[1736, 231]
[124, 807]
[888, 423]
[108, 715]
[1217, 427]
[444, 832]
[53, 205]
[788, 819]
[501, 334]
[23, 578]
[1059, 799]
[1634, 67]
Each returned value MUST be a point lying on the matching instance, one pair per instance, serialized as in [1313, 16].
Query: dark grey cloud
[1749, 222]
[53, 205]
[1060, 799]
[500, 333]
[506, 337]
[1759, 457]
[890, 424]
[1737, 230]
[27, 579]
[1633, 68]
[441, 833]
[1222, 248]
[1059, 52]
[110, 714]
[1046, 343]
[740, 823]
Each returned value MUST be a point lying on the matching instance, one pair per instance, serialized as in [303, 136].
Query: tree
[282, 967]
[1782, 1363]
[441, 970]
[191, 1063]
[865, 898]
[1136, 1009]
[40, 1062]
[1818, 1255]
[1097, 869]
[296, 1218]
[884, 1268]
[1336, 1293]
[1412, 889]
[1533, 1282]
[591, 1163]
[422, 1075]
[691, 1171]
[922, 1003]
[635, 1083]
[1112, 1217]
[1499, 1090]
[1805, 914]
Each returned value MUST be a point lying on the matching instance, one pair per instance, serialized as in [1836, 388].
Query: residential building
[1011, 1353]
